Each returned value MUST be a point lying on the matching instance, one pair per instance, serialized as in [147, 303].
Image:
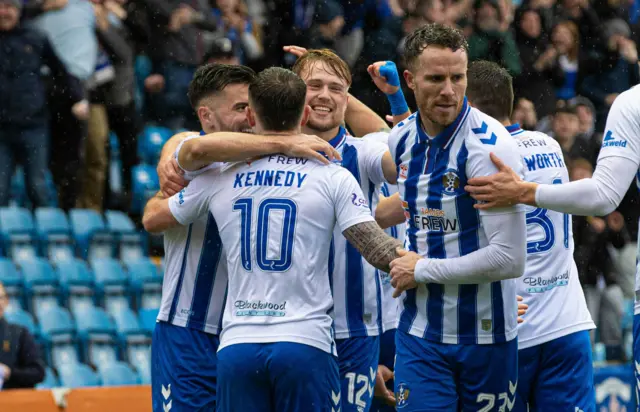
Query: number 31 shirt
[276, 217]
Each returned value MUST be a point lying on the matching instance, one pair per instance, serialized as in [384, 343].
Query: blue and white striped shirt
[444, 224]
[356, 285]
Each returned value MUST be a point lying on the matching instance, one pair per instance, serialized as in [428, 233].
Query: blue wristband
[397, 101]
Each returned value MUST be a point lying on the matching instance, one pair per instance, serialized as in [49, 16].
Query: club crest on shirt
[450, 182]
[486, 325]
[402, 395]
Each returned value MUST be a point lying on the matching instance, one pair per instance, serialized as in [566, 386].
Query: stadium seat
[13, 283]
[50, 380]
[145, 184]
[129, 241]
[59, 335]
[97, 335]
[93, 239]
[117, 374]
[150, 143]
[148, 318]
[77, 376]
[23, 318]
[77, 284]
[112, 283]
[19, 240]
[41, 283]
[140, 357]
[55, 233]
[146, 283]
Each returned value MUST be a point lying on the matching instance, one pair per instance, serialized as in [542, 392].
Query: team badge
[402, 395]
[486, 325]
[450, 182]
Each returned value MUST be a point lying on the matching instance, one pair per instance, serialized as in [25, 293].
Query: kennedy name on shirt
[273, 178]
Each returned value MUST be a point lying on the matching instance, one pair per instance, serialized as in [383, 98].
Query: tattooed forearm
[373, 243]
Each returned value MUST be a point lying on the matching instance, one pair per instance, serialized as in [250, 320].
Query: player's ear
[408, 77]
[305, 115]
[204, 115]
[250, 116]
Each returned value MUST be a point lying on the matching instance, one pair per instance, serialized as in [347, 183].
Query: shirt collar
[339, 138]
[514, 129]
[443, 138]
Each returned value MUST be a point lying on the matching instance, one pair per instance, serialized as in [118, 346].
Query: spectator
[535, 82]
[565, 130]
[71, 31]
[222, 51]
[236, 25]
[328, 24]
[587, 22]
[570, 62]
[524, 113]
[603, 87]
[491, 39]
[21, 366]
[589, 140]
[24, 131]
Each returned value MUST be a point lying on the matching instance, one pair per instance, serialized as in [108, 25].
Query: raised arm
[362, 120]
[230, 147]
[374, 244]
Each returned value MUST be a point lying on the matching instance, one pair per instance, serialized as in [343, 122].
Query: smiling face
[225, 111]
[438, 78]
[327, 95]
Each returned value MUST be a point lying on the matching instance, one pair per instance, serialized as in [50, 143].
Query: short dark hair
[433, 34]
[490, 89]
[278, 97]
[212, 78]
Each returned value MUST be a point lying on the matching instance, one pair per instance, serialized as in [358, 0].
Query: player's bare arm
[157, 216]
[232, 147]
[389, 211]
[169, 173]
[373, 243]
[501, 189]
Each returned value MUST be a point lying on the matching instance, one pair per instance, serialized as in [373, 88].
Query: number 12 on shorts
[289, 210]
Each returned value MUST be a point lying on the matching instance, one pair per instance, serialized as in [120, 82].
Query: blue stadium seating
[150, 143]
[146, 283]
[139, 355]
[77, 376]
[93, 239]
[58, 332]
[23, 318]
[50, 380]
[19, 240]
[77, 283]
[129, 241]
[97, 335]
[112, 283]
[13, 283]
[117, 374]
[148, 318]
[55, 233]
[145, 184]
[41, 283]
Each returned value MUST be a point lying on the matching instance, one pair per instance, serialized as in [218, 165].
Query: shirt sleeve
[193, 201]
[350, 205]
[597, 196]
[373, 160]
[504, 257]
[622, 131]
[479, 163]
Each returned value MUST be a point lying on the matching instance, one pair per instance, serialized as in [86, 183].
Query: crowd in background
[74, 71]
